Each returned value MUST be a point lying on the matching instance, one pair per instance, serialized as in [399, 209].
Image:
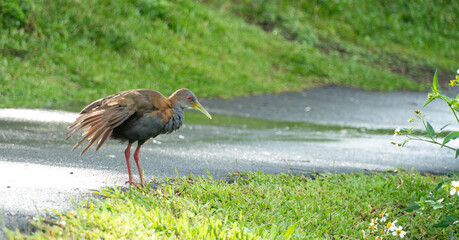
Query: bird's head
[187, 99]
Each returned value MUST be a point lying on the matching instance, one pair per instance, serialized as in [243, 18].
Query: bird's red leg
[127, 154]
[136, 158]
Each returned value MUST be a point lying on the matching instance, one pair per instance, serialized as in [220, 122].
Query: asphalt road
[327, 129]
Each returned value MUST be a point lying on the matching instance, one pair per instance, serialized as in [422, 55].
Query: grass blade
[290, 231]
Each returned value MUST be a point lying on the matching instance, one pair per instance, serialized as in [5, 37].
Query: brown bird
[133, 115]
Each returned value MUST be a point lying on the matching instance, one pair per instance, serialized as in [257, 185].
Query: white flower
[399, 232]
[391, 226]
[458, 71]
[373, 224]
[397, 131]
[373, 221]
[383, 216]
[455, 188]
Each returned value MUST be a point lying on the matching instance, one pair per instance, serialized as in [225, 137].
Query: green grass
[65, 54]
[254, 206]
[404, 37]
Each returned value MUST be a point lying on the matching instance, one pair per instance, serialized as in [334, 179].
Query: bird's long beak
[200, 108]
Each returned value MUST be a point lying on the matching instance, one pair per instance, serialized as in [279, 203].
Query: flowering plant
[438, 200]
[432, 136]
[381, 228]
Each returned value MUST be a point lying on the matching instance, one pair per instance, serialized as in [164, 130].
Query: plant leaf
[457, 153]
[436, 206]
[449, 137]
[428, 101]
[441, 129]
[404, 142]
[445, 222]
[435, 83]
[440, 185]
[445, 98]
[430, 130]
[412, 207]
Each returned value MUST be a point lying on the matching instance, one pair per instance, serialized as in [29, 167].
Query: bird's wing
[103, 115]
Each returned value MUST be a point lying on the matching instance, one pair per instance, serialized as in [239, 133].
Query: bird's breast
[175, 120]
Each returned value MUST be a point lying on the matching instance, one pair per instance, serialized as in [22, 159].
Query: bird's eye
[189, 98]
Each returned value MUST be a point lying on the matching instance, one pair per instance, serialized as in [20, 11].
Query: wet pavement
[327, 129]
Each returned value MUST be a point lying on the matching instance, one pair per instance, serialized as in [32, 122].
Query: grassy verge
[394, 35]
[64, 54]
[255, 206]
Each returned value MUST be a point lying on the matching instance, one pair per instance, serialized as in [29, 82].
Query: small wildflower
[374, 227]
[458, 71]
[378, 238]
[397, 131]
[417, 111]
[383, 216]
[399, 232]
[391, 226]
[388, 225]
[373, 224]
[373, 221]
[455, 188]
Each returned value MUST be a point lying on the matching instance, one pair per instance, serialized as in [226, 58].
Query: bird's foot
[139, 186]
[142, 183]
[132, 183]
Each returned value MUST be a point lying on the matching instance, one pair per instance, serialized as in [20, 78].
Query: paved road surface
[269, 133]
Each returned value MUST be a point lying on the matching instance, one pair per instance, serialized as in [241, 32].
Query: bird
[132, 116]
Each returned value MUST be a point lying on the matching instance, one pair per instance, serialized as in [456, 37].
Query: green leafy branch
[432, 135]
[446, 206]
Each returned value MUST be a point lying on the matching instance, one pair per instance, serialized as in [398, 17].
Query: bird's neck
[172, 102]
[178, 110]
